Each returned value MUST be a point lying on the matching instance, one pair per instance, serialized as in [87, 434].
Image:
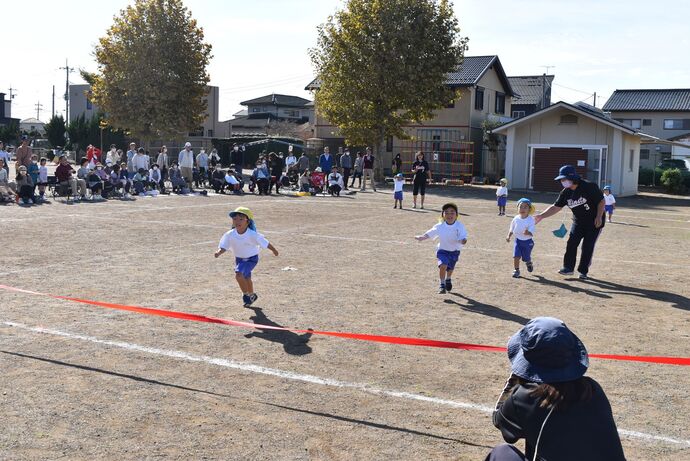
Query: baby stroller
[318, 182]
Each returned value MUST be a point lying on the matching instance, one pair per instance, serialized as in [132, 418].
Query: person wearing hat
[185, 160]
[586, 202]
[246, 243]
[610, 202]
[502, 196]
[522, 227]
[398, 183]
[452, 236]
[562, 414]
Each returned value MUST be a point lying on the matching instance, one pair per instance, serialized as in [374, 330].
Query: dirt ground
[83, 382]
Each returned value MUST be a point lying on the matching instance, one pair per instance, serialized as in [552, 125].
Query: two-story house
[261, 111]
[484, 93]
[533, 93]
[664, 114]
[6, 112]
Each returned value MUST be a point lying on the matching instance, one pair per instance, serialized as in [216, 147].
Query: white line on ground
[253, 368]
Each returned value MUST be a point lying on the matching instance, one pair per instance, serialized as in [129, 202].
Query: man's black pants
[588, 235]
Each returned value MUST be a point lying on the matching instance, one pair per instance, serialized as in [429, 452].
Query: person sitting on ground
[218, 179]
[64, 175]
[156, 181]
[141, 181]
[118, 182]
[95, 182]
[335, 182]
[178, 182]
[547, 400]
[304, 183]
[7, 195]
[262, 178]
[104, 176]
[25, 186]
[84, 170]
[125, 179]
[32, 171]
[233, 182]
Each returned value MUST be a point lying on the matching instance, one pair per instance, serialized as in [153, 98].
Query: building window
[389, 144]
[451, 104]
[646, 122]
[518, 113]
[676, 124]
[479, 98]
[568, 119]
[644, 154]
[89, 104]
[256, 109]
[632, 159]
[633, 122]
[210, 133]
[292, 113]
[500, 103]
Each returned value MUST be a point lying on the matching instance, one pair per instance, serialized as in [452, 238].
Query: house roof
[31, 120]
[580, 108]
[468, 73]
[246, 122]
[278, 100]
[529, 88]
[649, 100]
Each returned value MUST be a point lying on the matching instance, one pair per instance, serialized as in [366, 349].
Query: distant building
[32, 124]
[263, 111]
[533, 92]
[6, 111]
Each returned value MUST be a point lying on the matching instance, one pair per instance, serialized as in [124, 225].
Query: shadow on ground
[293, 343]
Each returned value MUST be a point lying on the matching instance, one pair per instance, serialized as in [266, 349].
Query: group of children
[27, 182]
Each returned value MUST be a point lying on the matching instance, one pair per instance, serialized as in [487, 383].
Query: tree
[383, 64]
[9, 133]
[55, 131]
[152, 76]
[83, 132]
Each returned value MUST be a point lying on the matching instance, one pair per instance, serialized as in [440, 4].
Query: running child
[609, 201]
[452, 236]
[522, 226]
[245, 242]
[502, 197]
[398, 184]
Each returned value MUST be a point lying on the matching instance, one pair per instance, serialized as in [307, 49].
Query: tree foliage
[383, 64]
[9, 133]
[83, 131]
[55, 131]
[152, 75]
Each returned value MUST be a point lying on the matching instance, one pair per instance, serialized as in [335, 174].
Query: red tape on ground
[359, 336]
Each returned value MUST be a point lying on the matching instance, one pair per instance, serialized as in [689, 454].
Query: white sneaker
[127, 195]
[77, 198]
[31, 202]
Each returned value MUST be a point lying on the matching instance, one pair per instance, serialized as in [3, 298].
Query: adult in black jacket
[586, 201]
[276, 165]
[561, 414]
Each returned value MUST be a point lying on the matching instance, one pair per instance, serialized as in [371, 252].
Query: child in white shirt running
[502, 197]
[609, 201]
[398, 184]
[522, 227]
[452, 236]
[245, 242]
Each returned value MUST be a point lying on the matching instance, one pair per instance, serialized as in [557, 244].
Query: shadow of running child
[293, 343]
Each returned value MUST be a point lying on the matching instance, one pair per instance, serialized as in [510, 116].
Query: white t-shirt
[609, 199]
[398, 185]
[43, 174]
[449, 236]
[501, 191]
[519, 225]
[243, 245]
[230, 179]
[186, 159]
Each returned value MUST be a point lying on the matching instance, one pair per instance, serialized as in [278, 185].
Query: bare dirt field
[84, 382]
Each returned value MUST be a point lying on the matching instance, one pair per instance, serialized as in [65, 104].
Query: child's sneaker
[245, 299]
[516, 274]
[442, 289]
[449, 285]
[253, 297]
[583, 276]
[530, 266]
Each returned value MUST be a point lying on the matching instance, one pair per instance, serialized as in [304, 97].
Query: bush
[649, 177]
[673, 180]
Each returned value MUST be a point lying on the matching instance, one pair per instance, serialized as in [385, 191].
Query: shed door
[548, 161]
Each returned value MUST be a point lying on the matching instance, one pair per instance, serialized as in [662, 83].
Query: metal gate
[448, 155]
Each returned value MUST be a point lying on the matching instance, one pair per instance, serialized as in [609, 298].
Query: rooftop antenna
[543, 85]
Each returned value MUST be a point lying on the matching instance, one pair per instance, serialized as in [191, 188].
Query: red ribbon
[685, 361]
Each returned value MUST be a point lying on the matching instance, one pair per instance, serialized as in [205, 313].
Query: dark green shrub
[672, 179]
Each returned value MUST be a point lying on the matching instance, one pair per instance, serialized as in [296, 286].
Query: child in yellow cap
[246, 243]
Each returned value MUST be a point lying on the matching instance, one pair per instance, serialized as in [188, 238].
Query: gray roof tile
[529, 88]
[279, 100]
[649, 100]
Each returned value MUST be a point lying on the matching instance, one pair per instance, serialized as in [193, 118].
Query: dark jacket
[584, 431]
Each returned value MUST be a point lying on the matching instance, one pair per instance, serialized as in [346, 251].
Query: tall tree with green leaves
[55, 131]
[382, 64]
[152, 70]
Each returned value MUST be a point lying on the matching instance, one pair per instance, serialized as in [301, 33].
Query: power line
[573, 89]
[264, 85]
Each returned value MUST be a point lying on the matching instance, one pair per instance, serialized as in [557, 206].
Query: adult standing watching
[346, 165]
[420, 169]
[186, 161]
[326, 160]
[23, 154]
[162, 162]
[237, 156]
[130, 156]
[586, 201]
[302, 163]
[368, 170]
[562, 414]
[290, 160]
[141, 160]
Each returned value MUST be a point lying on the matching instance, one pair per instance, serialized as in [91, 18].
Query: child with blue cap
[522, 226]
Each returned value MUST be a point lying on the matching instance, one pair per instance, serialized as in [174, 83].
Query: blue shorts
[523, 249]
[501, 201]
[447, 258]
[397, 195]
[608, 208]
[245, 266]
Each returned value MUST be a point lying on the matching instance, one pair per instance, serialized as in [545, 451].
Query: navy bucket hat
[546, 351]
[567, 172]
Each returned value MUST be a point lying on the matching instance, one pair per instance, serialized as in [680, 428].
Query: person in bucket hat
[246, 243]
[562, 414]
[586, 202]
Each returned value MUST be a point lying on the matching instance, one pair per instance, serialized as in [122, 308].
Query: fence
[449, 157]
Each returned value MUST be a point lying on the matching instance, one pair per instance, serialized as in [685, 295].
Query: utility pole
[13, 92]
[543, 85]
[67, 70]
[38, 106]
[53, 113]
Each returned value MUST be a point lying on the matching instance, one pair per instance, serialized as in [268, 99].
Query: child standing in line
[245, 242]
[502, 197]
[522, 226]
[42, 179]
[609, 201]
[398, 184]
[452, 236]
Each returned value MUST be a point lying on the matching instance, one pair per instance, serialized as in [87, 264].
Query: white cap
[188, 144]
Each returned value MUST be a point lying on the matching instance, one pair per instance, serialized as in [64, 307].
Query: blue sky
[260, 46]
